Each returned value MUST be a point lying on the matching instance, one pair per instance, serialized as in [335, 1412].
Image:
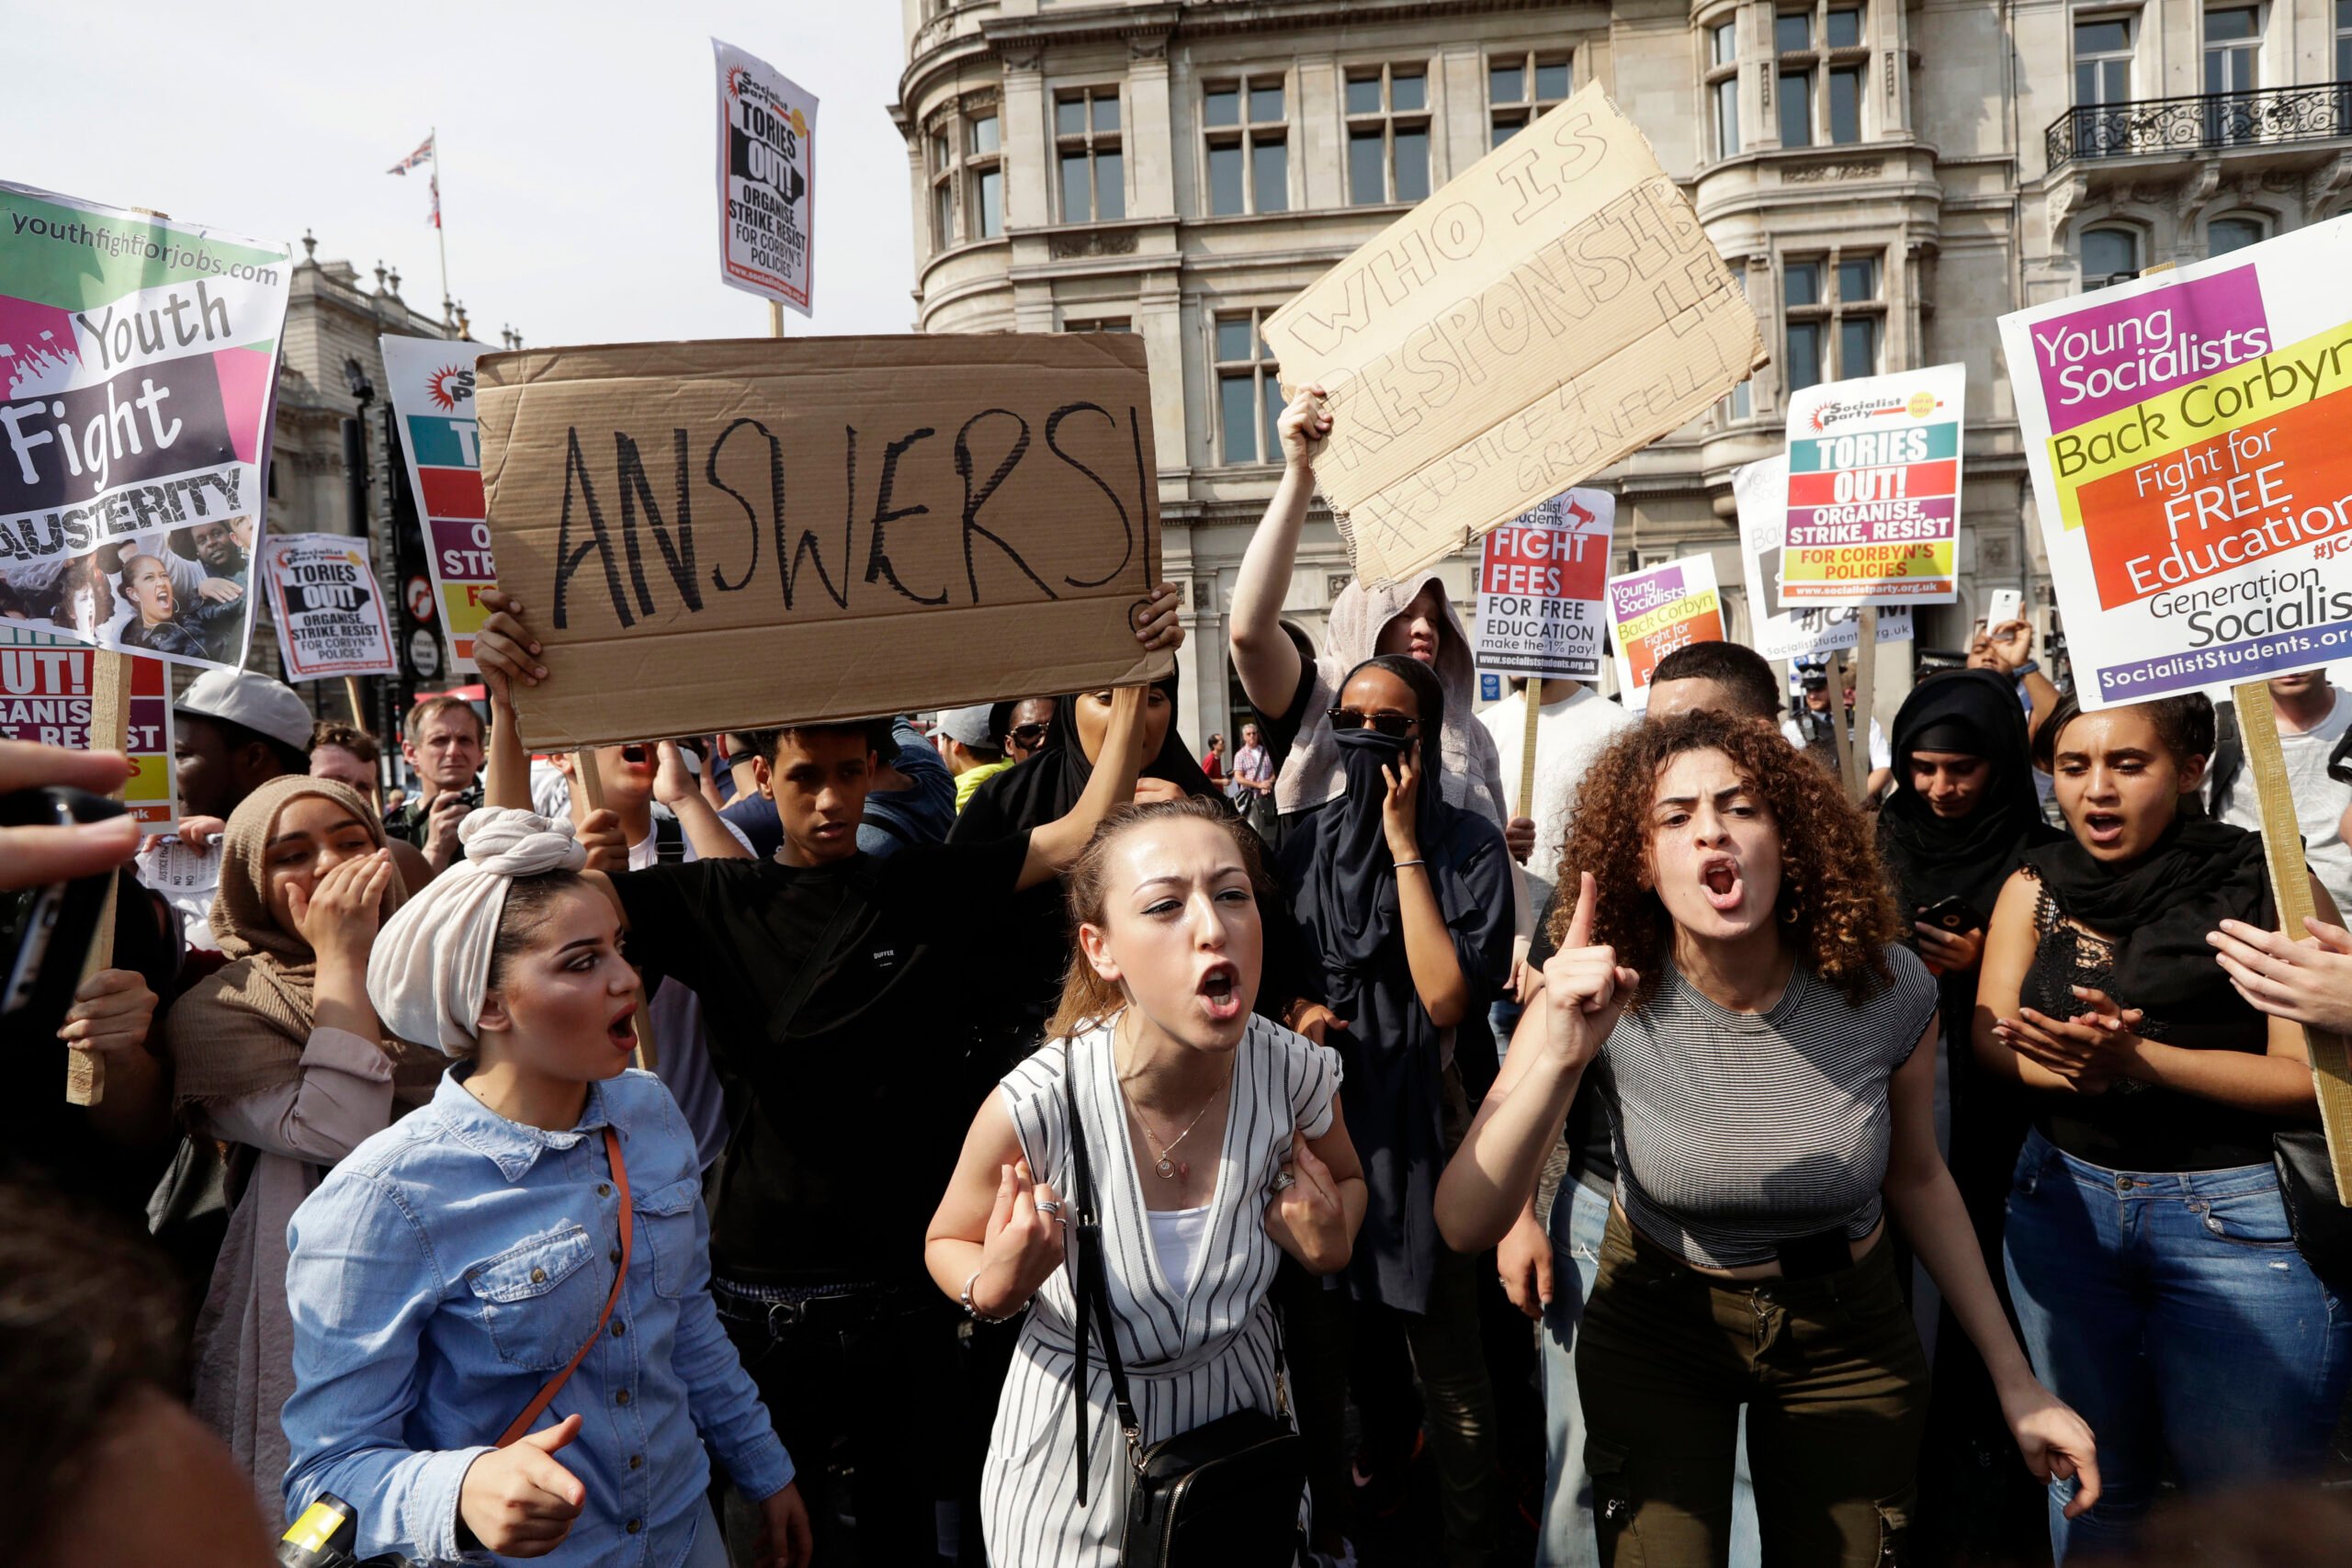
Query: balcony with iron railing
[2205, 122]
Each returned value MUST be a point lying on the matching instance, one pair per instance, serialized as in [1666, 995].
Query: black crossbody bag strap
[1090, 1284]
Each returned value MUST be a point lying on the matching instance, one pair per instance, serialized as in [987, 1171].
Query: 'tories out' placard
[1658, 610]
[1873, 495]
[2187, 434]
[1540, 589]
[1776, 629]
[767, 178]
[330, 616]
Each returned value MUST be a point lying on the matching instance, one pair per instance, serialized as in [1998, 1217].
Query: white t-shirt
[1570, 733]
[681, 1056]
[2319, 800]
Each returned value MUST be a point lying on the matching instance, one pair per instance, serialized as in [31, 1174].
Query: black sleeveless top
[2134, 1126]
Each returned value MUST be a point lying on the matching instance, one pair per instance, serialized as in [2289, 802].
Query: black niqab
[1930, 858]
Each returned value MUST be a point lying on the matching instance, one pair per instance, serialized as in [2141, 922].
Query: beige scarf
[242, 1030]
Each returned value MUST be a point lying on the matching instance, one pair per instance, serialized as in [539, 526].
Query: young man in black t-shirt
[829, 980]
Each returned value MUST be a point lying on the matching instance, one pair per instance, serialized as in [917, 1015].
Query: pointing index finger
[1580, 921]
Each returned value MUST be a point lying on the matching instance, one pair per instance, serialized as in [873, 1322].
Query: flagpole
[441, 232]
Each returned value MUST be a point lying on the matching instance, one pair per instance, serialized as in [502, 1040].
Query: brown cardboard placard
[724, 536]
[1552, 308]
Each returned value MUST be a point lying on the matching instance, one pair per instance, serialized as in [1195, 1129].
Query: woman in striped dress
[1216, 1143]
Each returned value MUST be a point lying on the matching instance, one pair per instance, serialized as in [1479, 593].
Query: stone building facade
[1887, 177]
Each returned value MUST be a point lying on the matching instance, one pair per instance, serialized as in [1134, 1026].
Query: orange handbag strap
[545, 1396]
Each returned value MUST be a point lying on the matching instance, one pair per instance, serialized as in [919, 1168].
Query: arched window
[2110, 255]
[2224, 235]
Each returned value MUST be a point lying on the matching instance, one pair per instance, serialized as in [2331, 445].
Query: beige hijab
[1472, 775]
[242, 1030]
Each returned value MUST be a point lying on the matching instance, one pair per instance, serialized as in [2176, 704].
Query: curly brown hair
[1839, 916]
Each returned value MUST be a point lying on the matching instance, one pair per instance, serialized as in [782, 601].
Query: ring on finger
[1050, 1206]
[1284, 1181]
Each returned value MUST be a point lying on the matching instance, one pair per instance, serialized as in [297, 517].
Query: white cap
[968, 726]
[242, 696]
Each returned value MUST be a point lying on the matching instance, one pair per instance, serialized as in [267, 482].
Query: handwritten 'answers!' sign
[723, 535]
[1553, 309]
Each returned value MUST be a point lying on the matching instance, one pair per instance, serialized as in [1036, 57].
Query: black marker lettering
[1126, 526]
[877, 559]
[974, 501]
[567, 560]
[634, 493]
[750, 518]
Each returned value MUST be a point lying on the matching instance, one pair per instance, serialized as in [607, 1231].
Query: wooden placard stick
[1846, 777]
[1534, 695]
[1865, 663]
[591, 784]
[358, 708]
[85, 1071]
[2291, 885]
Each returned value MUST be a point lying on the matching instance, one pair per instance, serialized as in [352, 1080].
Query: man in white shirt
[1574, 726]
[2312, 720]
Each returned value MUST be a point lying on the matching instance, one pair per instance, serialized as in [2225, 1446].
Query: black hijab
[1341, 881]
[1930, 858]
[2158, 908]
[1024, 949]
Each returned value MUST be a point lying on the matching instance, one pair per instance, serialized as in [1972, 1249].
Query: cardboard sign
[45, 698]
[1551, 310]
[1658, 610]
[1540, 589]
[767, 178]
[1776, 628]
[1873, 492]
[433, 399]
[721, 536]
[2186, 434]
[330, 618]
[137, 363]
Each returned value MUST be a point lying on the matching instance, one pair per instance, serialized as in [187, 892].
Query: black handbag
[1222, 1495]
[2321, 1227]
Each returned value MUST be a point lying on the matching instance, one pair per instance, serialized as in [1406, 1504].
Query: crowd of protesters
[1895, 1181]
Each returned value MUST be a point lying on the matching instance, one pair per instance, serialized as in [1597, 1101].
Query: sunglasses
[1395, 726]
[1030, 734]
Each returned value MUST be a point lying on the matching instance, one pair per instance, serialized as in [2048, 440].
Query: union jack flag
[423, 154]
[436, 199]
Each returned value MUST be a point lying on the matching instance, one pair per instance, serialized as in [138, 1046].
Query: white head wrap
[431, 962]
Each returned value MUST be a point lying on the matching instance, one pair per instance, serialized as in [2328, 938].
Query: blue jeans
[2172, 1311]
[1579, 1219]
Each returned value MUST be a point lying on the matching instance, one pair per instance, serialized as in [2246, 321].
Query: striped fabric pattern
[1737, 1132]
[1191, 1356]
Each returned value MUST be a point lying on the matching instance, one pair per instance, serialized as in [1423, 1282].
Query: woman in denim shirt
[456, 1263]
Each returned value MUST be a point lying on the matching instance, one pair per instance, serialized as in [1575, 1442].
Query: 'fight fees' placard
[2187, 436]
[1540, 589]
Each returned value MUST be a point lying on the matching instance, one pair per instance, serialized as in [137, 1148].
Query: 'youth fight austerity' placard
[137, 364]
[1778, 629]
[2191, 441]
[433, 399]
[767, 178]
[1553, 309]
[1540, 589]
[1873, 496]
[330, 618]
[1658, 610]
[45, 698]
[725, 535]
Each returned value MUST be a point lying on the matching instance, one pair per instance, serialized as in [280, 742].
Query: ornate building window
[1249, 391]
[1388, 133]
[1835, 312]
[1520, 87]
[2234, 233]
[1245, 126]
[2110, 255]
[2102, 61]
[1087, 151]
[942, 189]
[1820, 60]
[1722, 82]
[984, 174]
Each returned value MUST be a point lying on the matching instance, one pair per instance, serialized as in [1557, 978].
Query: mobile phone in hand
[1954, 914]
[45, 932]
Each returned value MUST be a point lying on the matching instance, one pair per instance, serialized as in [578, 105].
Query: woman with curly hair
[1731, 960]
